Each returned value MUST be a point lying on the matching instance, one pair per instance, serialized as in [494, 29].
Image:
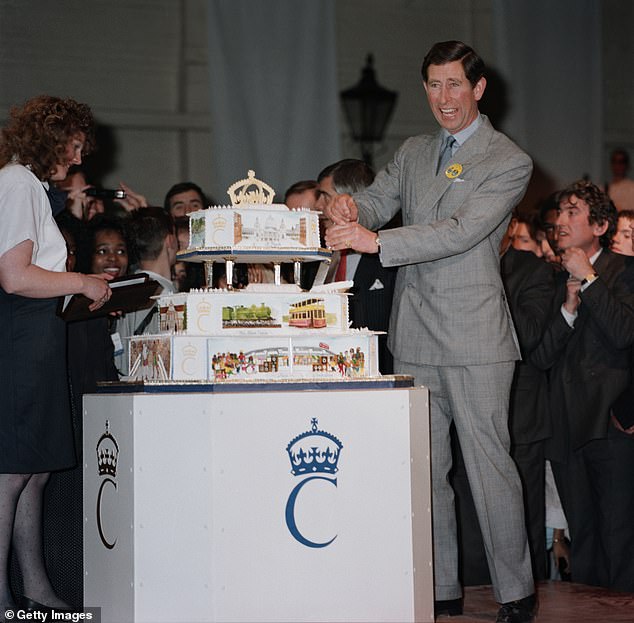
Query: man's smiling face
[452, 99]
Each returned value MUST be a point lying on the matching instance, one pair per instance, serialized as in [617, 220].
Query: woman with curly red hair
[41, 140]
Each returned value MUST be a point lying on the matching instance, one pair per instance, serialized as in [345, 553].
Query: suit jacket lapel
[604, 265]
[468, 155]
[433, 186]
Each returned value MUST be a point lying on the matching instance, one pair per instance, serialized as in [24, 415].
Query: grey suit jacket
[449, 305]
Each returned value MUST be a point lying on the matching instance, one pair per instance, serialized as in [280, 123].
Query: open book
[129, 293]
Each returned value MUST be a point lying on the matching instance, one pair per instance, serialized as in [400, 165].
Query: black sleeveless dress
[36, 432]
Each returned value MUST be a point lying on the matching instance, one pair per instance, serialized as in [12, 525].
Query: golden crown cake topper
[250, 191]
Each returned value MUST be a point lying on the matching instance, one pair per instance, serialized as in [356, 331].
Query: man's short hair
[550, 204]
[601, 208]
[181, 223]
[530, 218]
[449, 51]
[147, 229]
[183, 187]
[349, 175]
[301, 187]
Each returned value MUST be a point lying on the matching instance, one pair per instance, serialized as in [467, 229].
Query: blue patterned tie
[445, 153]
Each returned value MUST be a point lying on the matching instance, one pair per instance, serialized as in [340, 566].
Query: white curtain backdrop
[274, 94]
[550, 55]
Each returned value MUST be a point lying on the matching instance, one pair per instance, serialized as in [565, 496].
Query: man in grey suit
[450, 325]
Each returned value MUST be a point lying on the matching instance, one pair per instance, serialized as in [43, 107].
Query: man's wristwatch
[588, 279]
[377, 241]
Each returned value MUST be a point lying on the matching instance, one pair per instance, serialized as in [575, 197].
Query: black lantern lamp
[368, 107]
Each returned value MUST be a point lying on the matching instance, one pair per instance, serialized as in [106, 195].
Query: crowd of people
[521, 324]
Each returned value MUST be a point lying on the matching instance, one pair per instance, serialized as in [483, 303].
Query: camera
[105, 193]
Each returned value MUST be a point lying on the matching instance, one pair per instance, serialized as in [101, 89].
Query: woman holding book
[41, 140]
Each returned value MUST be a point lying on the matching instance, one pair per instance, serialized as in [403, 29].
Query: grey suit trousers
[476, 398]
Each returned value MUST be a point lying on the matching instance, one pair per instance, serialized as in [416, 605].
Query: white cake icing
[264, 332]
[253, 221]
[243, 358]
[218, 335]
[263, 227]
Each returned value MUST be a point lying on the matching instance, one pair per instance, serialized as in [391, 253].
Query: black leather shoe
[520, 611]
[30, 605]
[448, 607]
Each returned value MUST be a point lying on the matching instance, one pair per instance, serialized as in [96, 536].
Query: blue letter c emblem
[290, 513]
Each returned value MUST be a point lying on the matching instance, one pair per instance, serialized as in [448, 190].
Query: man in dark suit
[529, 285]
[621, 439]
[586, 347]
[371, 300]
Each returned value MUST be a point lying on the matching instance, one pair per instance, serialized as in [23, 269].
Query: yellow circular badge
[453, 170]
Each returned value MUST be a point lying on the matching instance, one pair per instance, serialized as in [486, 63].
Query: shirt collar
[463, 135]
[594, 257]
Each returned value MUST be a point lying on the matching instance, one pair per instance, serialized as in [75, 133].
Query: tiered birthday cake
[253, 222]
[264, 332]
[217, 335]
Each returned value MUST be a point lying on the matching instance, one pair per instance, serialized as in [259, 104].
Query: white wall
[142, 66]
[618, 85]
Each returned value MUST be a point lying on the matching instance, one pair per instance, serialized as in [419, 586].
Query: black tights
[21, 501]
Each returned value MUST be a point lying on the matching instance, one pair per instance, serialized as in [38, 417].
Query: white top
[25, 214]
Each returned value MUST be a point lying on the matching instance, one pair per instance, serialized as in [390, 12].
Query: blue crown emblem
[314, 451]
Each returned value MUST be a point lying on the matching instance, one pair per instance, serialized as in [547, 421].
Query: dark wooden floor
[559, 602]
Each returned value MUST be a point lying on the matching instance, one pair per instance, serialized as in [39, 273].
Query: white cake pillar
[297, 272]
[209, 273]
[229, 273]
[277, 268]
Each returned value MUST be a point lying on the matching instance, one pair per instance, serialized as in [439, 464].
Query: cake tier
[175, 357]
[260, 312]
[262, 227]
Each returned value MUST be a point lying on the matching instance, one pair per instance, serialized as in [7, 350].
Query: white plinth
[204, 520]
